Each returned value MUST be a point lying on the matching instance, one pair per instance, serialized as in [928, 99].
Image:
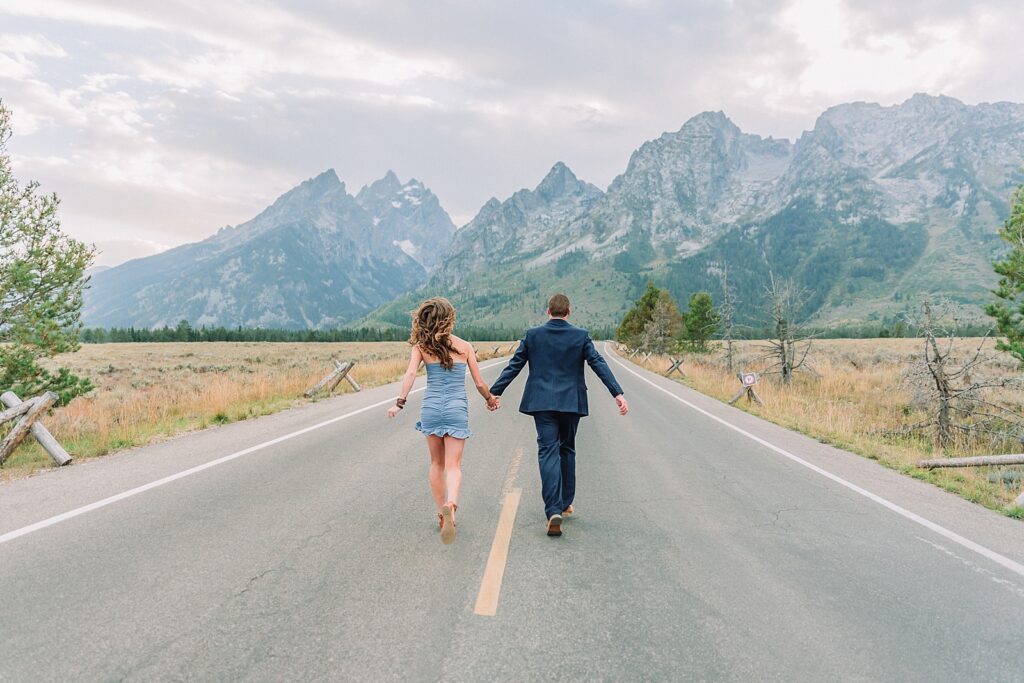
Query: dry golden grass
[857, 401]
[145, 392]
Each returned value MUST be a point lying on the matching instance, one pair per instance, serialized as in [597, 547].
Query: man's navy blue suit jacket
[556, 352]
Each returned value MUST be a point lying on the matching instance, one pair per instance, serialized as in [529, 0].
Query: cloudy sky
[158, 122]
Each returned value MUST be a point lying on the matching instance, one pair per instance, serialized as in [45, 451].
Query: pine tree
[1009, 310]
[662, 332]
[702, 321]
[633, 323]
[42, 274]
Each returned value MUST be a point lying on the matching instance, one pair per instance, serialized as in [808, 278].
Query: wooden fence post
[29, 424]
[747, 380]
[18, 410]
[333, 379]
[350, 379]
[676, 365]
[341, 371]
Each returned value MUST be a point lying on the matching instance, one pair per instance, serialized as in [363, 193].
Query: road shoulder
[981, 525]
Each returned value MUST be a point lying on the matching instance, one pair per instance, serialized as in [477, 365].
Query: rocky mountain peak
[924, 103]
[325, 182]
[708, 120]
[387, 185]
[328, 177]
[311, 190]
[407, 215]
[561, 181]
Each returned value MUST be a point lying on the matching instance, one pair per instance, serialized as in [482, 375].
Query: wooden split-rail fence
[979, 461]
[675, 364]
[27, 414]
[341, 371]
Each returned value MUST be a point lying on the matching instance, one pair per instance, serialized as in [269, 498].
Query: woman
[444, 417]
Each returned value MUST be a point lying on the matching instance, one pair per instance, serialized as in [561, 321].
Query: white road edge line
[63, 517]
[1006, 562]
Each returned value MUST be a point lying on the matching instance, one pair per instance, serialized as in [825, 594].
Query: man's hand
[493, 403]
[393, 411]
[623, 406]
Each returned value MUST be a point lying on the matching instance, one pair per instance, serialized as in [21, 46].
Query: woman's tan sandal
[448, 522]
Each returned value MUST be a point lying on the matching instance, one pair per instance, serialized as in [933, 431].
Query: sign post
[747, 382]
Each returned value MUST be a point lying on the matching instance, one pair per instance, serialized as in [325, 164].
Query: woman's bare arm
[474, 371]
[415, 358]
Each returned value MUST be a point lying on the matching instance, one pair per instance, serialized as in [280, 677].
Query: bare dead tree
[955, 392]
[790, 342]
[727, 311]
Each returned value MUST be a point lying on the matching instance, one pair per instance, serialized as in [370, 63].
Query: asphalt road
[708, 545]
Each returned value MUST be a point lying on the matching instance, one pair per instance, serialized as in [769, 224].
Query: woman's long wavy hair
[432, 326]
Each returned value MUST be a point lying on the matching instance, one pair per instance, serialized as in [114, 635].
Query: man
[556, 397]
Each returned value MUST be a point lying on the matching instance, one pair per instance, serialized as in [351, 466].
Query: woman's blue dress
[445, 408]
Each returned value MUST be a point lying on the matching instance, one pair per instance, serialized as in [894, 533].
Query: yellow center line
[494, 572]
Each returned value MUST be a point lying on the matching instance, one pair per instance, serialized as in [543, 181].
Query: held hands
[493, 403]
[623, 406]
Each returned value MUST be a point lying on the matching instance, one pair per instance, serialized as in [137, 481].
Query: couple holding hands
[555, 396]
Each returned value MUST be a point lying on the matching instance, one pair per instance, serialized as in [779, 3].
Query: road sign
[747, 382]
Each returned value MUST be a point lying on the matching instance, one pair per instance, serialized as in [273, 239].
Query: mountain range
[317, 257]
[868, 209]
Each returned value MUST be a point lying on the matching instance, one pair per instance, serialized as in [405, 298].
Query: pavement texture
[697, 553]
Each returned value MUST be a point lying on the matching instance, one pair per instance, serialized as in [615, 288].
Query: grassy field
[858, 398]
[146, 392]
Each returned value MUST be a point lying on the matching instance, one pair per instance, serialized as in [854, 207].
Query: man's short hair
[558, 306]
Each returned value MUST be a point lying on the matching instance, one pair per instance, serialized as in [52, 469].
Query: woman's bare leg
[453, 466]
[435, 444]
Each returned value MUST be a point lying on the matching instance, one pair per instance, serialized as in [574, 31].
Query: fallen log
[979, 461]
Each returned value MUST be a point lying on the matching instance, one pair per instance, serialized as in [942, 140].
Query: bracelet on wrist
[400, 402]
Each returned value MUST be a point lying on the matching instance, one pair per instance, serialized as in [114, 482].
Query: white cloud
[15, 51]
[15, 44]
[843, 60]
[89, 13]
[15, 68]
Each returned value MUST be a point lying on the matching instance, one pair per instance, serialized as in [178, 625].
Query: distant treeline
[875, 331]
[184, 332]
